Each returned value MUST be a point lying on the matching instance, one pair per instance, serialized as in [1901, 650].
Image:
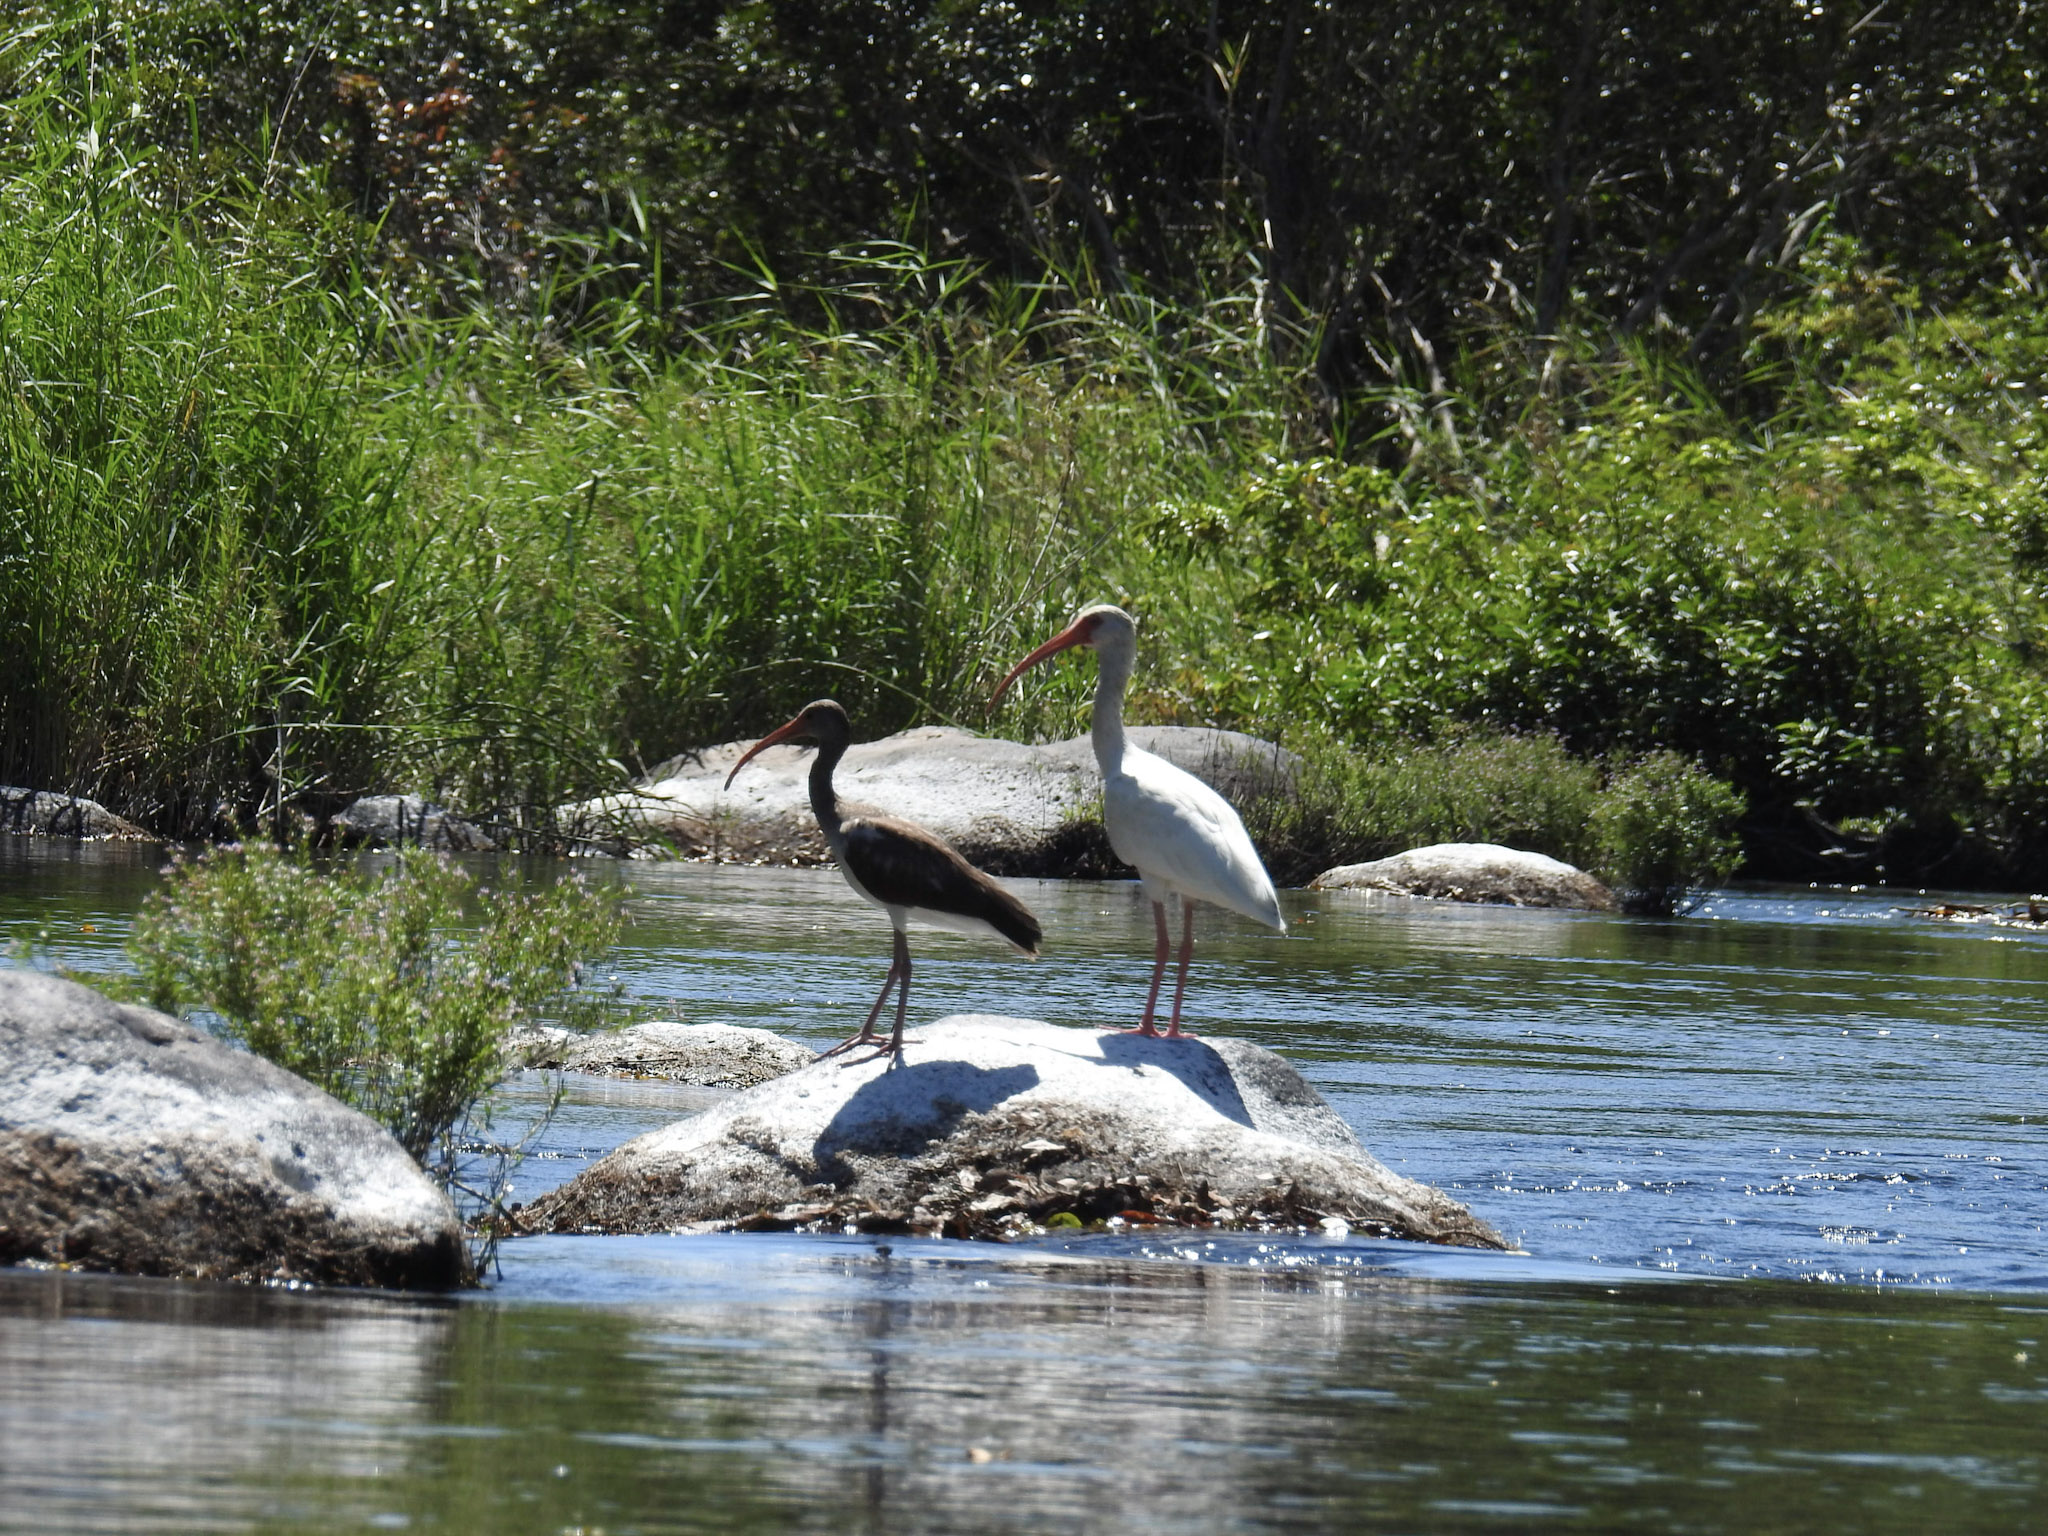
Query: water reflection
[769, 1383]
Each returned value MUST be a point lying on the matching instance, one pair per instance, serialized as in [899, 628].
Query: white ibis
[902, 868]
[1181, 836]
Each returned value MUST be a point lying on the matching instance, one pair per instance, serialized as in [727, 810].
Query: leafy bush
[1468, 785]
[392, 991]
[1664, 827]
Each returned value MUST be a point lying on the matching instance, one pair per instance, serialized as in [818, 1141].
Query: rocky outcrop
[394, 821]
[132, 1142]
[39, 813]
[707, 1055]
[1011, 808]
[1480, 872]
[986, 1127]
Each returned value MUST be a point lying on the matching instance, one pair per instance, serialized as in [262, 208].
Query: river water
[1778, 1170]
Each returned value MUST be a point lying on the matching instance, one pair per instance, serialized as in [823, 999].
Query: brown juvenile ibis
[906, 870]
[1178, 833]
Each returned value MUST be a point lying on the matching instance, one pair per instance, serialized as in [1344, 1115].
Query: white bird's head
[1104, 627]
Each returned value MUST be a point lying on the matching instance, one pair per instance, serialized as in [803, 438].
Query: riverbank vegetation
[398, 990]
[492, 401]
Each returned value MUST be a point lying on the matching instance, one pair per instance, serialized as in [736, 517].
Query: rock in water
[707, 1055]
[1011, 809]
[986, 1126]
[1480, 872]
[39, 813]
[393, 821]
[132, 1142]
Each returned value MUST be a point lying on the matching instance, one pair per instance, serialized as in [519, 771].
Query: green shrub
[1469, 785]
[1665, 826]
[392, 991]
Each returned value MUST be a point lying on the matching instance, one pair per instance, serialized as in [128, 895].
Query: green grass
[273, 539]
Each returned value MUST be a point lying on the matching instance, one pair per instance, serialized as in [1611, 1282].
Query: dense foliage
[493, 399]
[395, 992]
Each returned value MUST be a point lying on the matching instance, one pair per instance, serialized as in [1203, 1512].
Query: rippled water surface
[1778, 1169]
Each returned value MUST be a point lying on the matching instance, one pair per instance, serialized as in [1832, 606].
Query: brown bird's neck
[824, 798]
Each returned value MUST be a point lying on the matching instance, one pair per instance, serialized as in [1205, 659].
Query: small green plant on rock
[1665, 826]
[394, 991]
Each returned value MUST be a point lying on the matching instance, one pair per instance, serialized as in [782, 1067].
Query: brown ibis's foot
[1142, 1029]
[857, 1038]
[1177, 1033]
[884, 1048]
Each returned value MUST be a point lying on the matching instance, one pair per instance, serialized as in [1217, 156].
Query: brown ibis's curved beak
[1076, 633]
[780, 734]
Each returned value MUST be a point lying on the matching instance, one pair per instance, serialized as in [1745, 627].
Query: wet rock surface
[132, 1142]
[989, 1127]
[40, 813]
[393, 821]
[1010, 808]
[1477, 872]
[707, 1055]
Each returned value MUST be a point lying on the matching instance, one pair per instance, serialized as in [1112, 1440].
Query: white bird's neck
[1115, 655]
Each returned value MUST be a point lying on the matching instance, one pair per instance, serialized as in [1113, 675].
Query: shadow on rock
[912, 1104]
[1195, 1063]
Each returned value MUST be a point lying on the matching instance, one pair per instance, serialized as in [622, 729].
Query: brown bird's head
[822, 721]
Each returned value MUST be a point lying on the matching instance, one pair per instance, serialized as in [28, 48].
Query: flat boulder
[132, 1142]
[394, 821]
[40, 813]
[993, 1127]
[1479, 872]
[1012, 808]
[707, 1055]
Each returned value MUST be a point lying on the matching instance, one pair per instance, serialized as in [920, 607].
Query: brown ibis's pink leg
[902, 991]
[899, 970]
[899, 977]
[1187, 953]
[1159, 953]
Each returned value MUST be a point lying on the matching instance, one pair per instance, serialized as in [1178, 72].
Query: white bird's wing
[1177, 830]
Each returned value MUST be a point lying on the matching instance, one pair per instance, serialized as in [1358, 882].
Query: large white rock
[1018, 809]
[986, 1125]
[707, 1055]
[1482, 872]
[131, 1141]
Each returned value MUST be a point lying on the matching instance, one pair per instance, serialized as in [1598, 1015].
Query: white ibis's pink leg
[1159, 953]
[1187, 953]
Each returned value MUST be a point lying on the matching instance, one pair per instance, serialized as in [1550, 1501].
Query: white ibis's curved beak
[1076, 633]
[781, 733]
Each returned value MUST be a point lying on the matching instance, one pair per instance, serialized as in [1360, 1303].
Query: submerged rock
[40, 813]
[396, 820]
[1481, 872]
[707, 1055]
[132, 1142]
[985, 1126]
[1011, 808]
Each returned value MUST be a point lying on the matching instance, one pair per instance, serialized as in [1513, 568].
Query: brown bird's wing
[900, 864]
